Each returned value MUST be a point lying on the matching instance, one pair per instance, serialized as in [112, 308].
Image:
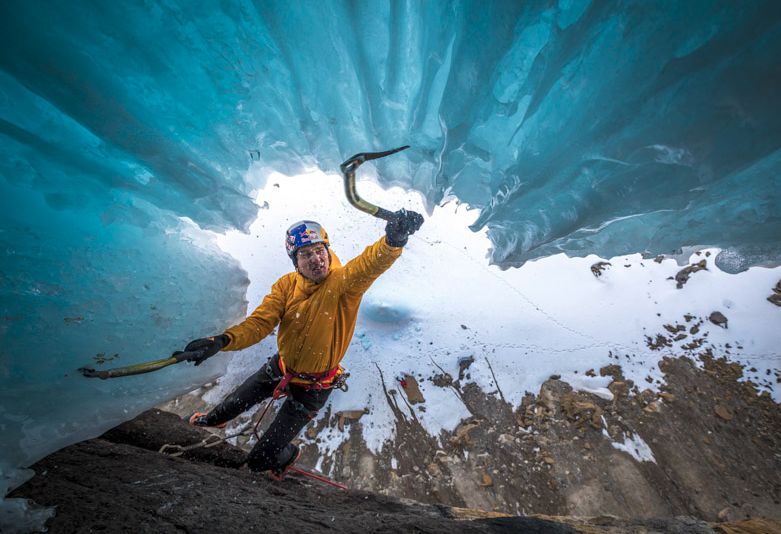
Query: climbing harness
[335, 378]
[348, 169]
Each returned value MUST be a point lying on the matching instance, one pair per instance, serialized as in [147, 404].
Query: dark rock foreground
[120, 483]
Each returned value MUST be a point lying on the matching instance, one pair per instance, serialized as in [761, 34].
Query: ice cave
[147, 146]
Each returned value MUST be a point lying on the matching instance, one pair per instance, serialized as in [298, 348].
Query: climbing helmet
[304, 233]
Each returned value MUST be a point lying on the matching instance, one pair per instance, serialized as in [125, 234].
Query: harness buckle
[340, 382]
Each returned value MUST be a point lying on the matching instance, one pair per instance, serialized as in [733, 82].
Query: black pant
[273, 449]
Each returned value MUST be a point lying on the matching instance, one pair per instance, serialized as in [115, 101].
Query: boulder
[718, 319]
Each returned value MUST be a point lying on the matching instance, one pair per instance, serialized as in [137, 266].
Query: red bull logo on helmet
[304, 233]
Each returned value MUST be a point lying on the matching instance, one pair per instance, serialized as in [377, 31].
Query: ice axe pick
[348, 169]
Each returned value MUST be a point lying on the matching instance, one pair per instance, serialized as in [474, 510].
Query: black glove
[404, 224]
[205, 348]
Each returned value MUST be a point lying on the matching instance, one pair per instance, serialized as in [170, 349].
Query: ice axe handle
[385, 215]
[141, 368]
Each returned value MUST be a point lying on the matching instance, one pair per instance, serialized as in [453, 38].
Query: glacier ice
[127, 129]
[574, 126]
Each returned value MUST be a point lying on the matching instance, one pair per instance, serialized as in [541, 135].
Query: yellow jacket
[316, 321]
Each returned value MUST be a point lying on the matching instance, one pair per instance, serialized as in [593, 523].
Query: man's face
[313, 262]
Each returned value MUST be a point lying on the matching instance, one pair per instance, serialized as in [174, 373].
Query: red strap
[315, 476]
[279, 391]
[318, 378]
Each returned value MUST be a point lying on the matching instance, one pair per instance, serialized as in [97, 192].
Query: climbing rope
[213, 440]
[172, 449]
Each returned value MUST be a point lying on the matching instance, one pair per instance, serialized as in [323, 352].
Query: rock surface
[115, 484]
[712, 451]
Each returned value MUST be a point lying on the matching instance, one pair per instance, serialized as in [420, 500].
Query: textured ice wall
[85, 286]
[577, 126]
[77, 290]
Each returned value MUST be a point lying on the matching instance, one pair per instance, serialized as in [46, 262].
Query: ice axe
[348, 169]
[140, 368]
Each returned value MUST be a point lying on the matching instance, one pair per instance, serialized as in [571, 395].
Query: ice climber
[316, 307]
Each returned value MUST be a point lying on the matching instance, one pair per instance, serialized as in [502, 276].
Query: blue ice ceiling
[574, 126]
[605, 127]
